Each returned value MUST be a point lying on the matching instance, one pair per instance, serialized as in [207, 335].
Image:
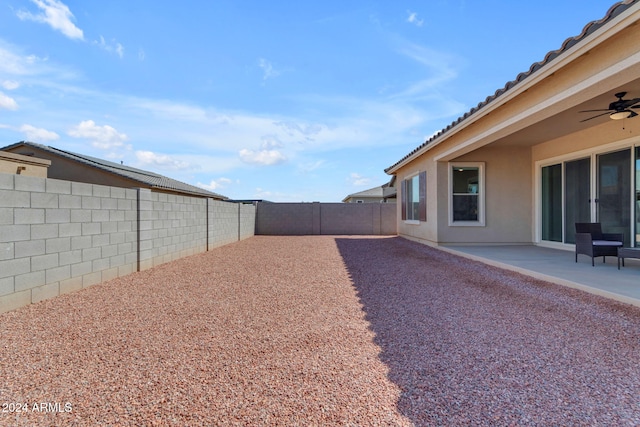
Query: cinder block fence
[326, 218]
[61, 236]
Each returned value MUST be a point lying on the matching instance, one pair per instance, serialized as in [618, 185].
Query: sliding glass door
[576, 191]
[577, 196]
[614, 193]
[552, 203]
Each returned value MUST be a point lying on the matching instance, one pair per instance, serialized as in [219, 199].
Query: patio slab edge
[545, 277]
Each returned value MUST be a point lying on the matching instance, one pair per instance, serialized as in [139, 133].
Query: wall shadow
[470, 344]
[398, 299]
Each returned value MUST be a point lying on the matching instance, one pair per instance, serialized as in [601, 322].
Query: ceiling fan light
[619, 115]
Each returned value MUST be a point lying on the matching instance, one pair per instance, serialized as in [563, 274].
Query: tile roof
[589, 29]
[151, 179]
[372, 192]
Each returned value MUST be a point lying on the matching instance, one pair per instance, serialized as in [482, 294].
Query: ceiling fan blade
[599, 115]
[593, 111]
[633, 114]
[623, 104]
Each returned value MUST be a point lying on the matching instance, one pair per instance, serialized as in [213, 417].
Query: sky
[287, 101]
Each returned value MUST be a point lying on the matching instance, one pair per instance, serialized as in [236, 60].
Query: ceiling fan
[620, 109]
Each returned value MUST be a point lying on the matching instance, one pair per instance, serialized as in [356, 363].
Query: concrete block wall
[350, 218]
[286, 219]
[326, 219]
[388, 219]
[223, 223]
[171, 227]
[61, 236]
[247, 223]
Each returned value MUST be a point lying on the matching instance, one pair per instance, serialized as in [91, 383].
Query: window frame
[422, 198]
[480, 222]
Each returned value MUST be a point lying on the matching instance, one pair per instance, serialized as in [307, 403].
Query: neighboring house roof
[372, 192]
[249, 201]
[589, 29]
[150, 179]
[375, 192]
[389, 190]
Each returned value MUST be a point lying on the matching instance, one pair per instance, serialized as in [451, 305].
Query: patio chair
[591, 241]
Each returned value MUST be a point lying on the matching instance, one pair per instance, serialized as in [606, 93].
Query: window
[414, 198]
[466, 183]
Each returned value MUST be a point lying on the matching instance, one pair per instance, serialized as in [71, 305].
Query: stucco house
[385, 193]
[558, 145]
[23, 165]
[70, 166]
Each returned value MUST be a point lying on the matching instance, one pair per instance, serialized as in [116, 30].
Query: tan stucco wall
[23, 165]
[508, 199]
[426, 232]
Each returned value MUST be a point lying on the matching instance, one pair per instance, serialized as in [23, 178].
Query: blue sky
[280, 100]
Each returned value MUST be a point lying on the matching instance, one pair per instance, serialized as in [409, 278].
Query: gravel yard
[322, 331]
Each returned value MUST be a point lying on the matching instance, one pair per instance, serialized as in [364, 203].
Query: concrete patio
[559, 266]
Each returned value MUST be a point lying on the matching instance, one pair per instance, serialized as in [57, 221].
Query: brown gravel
[322, 331]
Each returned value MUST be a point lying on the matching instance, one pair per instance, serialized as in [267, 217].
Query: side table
[627, 253]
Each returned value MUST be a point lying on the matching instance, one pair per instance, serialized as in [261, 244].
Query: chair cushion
[606, 243]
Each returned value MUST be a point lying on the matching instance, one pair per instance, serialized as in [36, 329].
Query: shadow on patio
[470, 344]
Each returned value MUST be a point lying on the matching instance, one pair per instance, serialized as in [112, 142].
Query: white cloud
[113, 47]
[10, 84]
[7, 102]
[311, 166]
[103, 137]
[307, 130]
[164, 161]
[266, 155]
[358, 180]
[270, 141]
[215, 184]
[57, 15]
[262, 157]
[14, 63]
[170, 111]
[263, 194]
[441, 69]
[439, 63]
[413, 19]
[35, 134]
[19, 69]
[231, 138]
[268, 72]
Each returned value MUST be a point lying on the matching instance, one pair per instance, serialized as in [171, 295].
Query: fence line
[61, 236]
[326, 218]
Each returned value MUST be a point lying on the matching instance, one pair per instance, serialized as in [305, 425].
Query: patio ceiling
[569, 121]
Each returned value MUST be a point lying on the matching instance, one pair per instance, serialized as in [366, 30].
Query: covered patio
[559, 266]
